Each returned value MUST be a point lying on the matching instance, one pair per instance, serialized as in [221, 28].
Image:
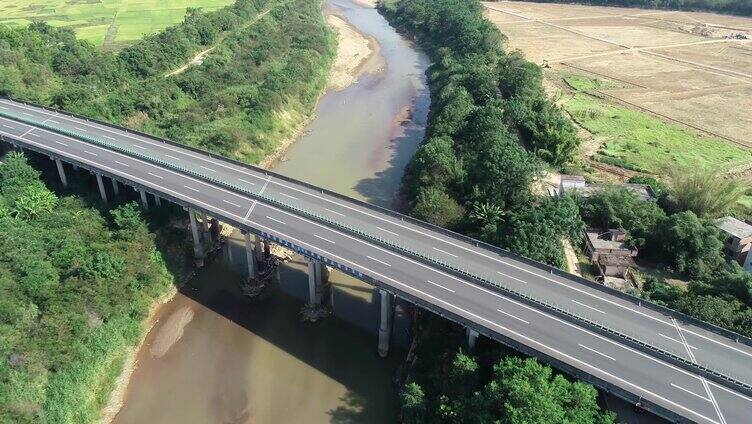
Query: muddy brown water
[215, 357]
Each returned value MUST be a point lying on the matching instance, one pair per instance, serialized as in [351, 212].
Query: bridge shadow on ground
[333, 347]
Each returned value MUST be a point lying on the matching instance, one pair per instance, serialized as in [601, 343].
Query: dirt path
[199, 57]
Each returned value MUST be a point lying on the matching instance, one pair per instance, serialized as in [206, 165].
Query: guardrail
[629, 339]
[449, 233]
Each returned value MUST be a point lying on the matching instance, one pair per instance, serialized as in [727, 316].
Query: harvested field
[690, 69]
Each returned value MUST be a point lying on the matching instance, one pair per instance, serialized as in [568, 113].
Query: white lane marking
[711, 398]
[588, 306]
[322, 238]
[91, 153]
[245, 181]
[334, 212]
[275, 220]
[140, 147]
[253, 205]
[108, 137]
[27, 114]
[510, 315]
[28, 131]
[691, 392]
[230, 203]
[596, 352]
[445, 252]
[8, 126]
[155, 175]
[172, 157]
[407, 287]
[477, 287]
[3, 108]
[598, 336]
[60, 142]
[747, 398]
[287, 195]
[80, 129]
[53, 121]
[251, 173]
[491, 323]
[674, 340]
[440, 286]
[191, 188]
[513, 278]
[374, 259]
[121, 163]
[387, 231]
[208, 169]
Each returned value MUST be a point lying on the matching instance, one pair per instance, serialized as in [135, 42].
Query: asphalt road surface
[605, 358]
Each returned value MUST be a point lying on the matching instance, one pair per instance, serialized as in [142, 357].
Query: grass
[638, 141]
[124, 20]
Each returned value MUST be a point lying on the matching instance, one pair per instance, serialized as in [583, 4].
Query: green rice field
[107, 23]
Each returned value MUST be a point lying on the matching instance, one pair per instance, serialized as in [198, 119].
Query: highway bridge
[671, 364]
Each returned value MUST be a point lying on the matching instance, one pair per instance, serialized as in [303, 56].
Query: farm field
[691, 70]
[107, 23]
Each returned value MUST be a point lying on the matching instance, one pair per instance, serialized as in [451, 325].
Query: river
[214, 356]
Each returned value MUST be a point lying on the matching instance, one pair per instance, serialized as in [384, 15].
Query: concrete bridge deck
[636, 350]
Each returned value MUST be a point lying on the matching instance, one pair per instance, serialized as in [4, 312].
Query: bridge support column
[61, 171]
[102, 191]
[145, 200]
[385, 323]
[250, 256]
[115, 187]
[315, 282]
[158, 200]
[205, 227]
[259, 249]
[472, 338]
[198, 249]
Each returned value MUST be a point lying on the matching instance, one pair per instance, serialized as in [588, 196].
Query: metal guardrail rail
[721, 377]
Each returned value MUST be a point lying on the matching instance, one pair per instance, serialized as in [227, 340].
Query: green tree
[524, 391]
[413, 404]
[617, 207]
[693, 246]
[537, 232]
[435, 206]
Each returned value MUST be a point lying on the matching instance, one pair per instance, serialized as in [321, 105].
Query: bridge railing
[626, 336]
[449, 233]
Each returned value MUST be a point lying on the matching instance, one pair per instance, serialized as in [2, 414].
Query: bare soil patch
[688, 68]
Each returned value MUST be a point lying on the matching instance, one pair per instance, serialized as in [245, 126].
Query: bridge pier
[102, 191]
[145, 201]
[316, 276]
[115, 187]
[157, 200]
[472, 338]
[205, 230]
[250, 256]
[198, 249]
[61, 171]
[385, 324]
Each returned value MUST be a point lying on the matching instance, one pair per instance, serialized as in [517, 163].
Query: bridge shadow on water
[408, 134]
[338, 349]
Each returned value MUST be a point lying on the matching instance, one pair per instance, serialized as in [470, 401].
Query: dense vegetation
[75, 285]
[257, 85]
[719, 292]
[490, 133]
[494, 385]
[740, 7]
